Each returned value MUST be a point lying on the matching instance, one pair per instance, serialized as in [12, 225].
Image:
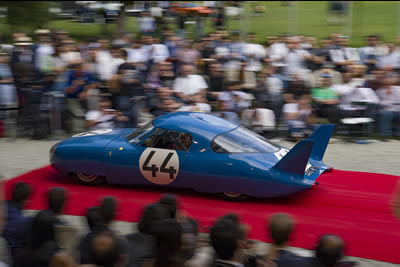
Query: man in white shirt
[159, 51]
[116, 60]
[70, 55]
[295, 59]
[190, 84]
[342, 55]
[278, 50]
[199, 104]
[254, 53]
[352, 94]
[147, 23]
[137, 54]
[44, 50]
[371, 53]
[103, 59]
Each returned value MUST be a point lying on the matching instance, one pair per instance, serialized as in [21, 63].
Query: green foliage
[27, 15]
[369, 17]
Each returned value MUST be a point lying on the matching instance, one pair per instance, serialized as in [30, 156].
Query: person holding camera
[105, 117]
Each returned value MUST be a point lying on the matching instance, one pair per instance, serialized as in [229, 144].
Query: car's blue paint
[255, 174]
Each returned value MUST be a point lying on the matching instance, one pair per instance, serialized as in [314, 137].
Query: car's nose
[53, 150]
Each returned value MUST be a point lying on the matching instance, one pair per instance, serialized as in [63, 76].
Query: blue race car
[194, 150]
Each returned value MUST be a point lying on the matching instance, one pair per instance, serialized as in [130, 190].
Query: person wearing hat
[60, 35]
[22, 51]
[43, 55]
[325, 99]
[328, 67]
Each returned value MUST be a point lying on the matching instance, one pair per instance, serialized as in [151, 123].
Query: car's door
[155, 159]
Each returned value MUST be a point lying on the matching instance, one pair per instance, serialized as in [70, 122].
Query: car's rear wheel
[88, 179]
[233, 196]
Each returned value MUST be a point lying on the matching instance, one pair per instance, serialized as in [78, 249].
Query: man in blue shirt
[17, 224]
[78, 83]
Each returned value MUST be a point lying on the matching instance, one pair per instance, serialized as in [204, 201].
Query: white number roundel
[159, 166]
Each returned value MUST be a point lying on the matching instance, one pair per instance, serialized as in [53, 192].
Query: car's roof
[197, 123]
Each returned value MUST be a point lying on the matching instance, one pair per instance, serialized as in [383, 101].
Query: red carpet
[354, 205]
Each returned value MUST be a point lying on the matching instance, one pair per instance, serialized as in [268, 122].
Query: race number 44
[159, 166]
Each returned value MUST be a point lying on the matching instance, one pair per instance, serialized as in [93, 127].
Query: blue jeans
[386, 121]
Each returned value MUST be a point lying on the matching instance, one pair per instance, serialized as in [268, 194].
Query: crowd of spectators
[59, 85]
[56, 84]
[165, 236]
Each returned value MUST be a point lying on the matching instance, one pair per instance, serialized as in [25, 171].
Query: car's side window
[168, 139]
[153, 137]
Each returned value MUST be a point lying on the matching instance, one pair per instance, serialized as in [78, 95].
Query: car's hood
[96, 137]
[102, 132]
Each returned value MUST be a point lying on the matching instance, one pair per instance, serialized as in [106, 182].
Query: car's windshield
[135, 137]
[242, 140]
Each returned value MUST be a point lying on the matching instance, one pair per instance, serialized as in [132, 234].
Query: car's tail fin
[295, 161]
[321, 138]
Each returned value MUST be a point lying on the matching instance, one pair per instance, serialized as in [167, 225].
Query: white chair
[362, 123]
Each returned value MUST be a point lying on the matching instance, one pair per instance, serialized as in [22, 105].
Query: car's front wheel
[88, 179]
[233, 196]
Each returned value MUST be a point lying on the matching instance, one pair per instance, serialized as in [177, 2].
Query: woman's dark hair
[20, 193]
[170, 201]
[107, 209]
[42, 230]
[152, 213]
[93, 217]
[168, 234]
[56, 199]
[40, 244]
[224, 236]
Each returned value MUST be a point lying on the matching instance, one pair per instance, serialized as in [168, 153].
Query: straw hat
[42, 32]
[23, 40]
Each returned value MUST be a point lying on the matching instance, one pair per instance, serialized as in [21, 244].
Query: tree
[121, 22]
[28, 15]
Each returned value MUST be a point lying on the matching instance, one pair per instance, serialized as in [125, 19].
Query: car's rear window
[242, 140]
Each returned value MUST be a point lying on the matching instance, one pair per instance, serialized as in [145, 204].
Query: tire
[233, 196]
[88, 179]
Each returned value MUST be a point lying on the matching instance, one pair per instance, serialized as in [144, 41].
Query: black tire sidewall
[242, 197]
